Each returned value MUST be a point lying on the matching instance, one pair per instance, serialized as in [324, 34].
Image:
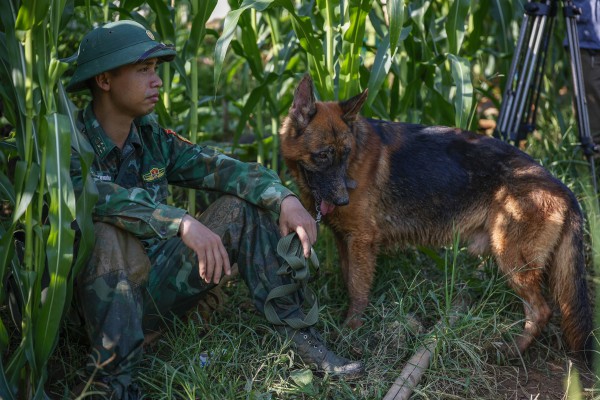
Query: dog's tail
[569, 287]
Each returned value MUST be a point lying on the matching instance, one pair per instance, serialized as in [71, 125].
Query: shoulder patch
[170, 132]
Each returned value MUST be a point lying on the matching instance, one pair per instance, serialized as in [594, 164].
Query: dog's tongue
[326, 207]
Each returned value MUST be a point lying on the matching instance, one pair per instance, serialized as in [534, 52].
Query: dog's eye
[323, 157]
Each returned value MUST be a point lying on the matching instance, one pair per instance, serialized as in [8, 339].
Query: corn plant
[45, 211]
[415, 57]
[350, 45]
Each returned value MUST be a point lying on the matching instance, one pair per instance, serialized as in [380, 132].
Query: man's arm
[206, 169]
[132, 209]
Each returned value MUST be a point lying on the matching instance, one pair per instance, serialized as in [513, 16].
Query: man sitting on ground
[152, 260]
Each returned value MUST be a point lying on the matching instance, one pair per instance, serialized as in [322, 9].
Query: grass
[251, 361]
[248, 360]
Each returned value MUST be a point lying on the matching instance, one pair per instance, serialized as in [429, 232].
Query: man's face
[134, 88]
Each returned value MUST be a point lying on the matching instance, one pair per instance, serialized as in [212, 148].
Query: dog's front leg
[358, 268]
[342, 247]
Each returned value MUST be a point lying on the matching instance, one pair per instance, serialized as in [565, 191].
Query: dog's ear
[303, 106]
[352, 106]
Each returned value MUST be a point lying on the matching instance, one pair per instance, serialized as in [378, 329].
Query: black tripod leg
[506, 108]
[530, 113]
[525, 86]
[525, 67]
[580, 103]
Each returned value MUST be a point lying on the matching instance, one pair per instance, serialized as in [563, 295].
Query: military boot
[313, 351]
[102, 389]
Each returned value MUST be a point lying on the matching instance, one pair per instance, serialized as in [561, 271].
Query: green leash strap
[295, 265]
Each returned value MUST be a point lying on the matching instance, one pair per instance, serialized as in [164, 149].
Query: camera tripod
[517, 116]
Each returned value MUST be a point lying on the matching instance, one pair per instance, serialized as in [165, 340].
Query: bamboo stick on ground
[415, 368]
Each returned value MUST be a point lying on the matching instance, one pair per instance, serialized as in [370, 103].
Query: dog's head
[317, 142]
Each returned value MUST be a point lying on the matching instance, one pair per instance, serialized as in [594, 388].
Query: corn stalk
[41, 195]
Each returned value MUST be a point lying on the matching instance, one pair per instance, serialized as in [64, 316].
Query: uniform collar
[100, 142]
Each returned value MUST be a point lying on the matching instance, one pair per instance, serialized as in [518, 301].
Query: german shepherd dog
[381, 184]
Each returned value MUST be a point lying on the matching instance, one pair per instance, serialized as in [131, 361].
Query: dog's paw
[501, 352]
[354, 322]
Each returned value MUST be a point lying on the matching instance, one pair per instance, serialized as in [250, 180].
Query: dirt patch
[543, 382]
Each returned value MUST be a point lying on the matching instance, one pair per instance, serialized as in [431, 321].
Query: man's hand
[212, 256]
[294, 217]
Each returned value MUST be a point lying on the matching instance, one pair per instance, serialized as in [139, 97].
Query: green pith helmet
[113, 45]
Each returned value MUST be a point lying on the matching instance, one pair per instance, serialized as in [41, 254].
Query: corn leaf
[88, 197]
[502, 14]
[309, 41]
[25, 353]
[463, 100]
[249, 43]
[31, 13]
[165, 26]
[7, 192]
[13, 59]
[330, 11]
[198, 28]
[6, 253]
[455, 26]
[396, 15]
[6, 391]
[380, 69]
[352, 47]
[253, 101]
[59, 248]
[230, 25]
[26, 181]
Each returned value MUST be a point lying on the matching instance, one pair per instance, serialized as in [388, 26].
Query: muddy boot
[311, 348]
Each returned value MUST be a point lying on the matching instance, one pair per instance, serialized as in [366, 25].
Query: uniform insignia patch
[154, 174]
[99, 145]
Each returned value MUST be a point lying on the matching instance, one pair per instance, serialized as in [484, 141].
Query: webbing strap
[295, 265]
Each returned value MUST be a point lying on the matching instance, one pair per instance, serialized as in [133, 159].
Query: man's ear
[102, 81]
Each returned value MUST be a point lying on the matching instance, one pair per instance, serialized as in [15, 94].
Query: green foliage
[231, 84]
[40, 194]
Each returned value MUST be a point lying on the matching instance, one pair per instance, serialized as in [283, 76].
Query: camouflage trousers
[128, 288]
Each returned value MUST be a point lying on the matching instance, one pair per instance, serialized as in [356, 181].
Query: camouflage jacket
[133, 183]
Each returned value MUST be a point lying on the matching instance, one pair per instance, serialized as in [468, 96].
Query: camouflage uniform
[140, 272]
